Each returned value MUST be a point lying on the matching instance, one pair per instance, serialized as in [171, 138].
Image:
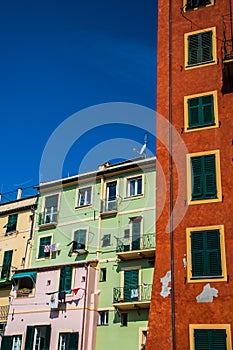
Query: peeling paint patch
[165, 289]
[207, 295]
[185, 262]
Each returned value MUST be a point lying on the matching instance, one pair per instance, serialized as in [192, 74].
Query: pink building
[51, 310]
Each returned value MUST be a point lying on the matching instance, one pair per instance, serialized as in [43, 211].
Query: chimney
[19, 193]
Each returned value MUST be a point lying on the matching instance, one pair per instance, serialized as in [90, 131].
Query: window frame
[186, 49]
[68, 334]
[106, 240]
[38, 247]
[215, 124]
[197, 7]
[71, 280]
[87, 235]
[77, 200]
[190, 278]
[217, 174]
[43, 223]
[105, 314]
[127, 186]
[193, 327]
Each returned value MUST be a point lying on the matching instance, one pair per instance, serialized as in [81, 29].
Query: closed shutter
[213, 250]
[197, 253]
[130, 285]
[197, 181]
[210, 190]
[207, 115]
[43, 242]
[193, 47]
[200, 111]
[47, 337]
[210, 339]
[136, 231]
[206, 46]
[7, 341]
[29, 337]
[65, 278]
[193, 112]
[7, 264]
[200, 48]
[73, 341]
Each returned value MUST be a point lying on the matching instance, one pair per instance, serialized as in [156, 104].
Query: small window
[12, 223]
[200, 48]
[65, 279]
[80, 237]
[103, 318]
[106, 240]
[44, 247]
[68, 340]
[193, 4]
[210, 336]
[124, 319]
[84, 196]
[134, 186]
[103, 274]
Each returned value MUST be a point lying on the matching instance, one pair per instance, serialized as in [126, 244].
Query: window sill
[204, 201]
[201, 64]
[206, 279]
[134, 197]
[48, 225]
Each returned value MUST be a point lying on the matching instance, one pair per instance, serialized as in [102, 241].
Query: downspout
[84, 309]
[171, 182]
[27, 252]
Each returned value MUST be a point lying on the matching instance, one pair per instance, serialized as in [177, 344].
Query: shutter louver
[193, 49]
[213, 252]
[210, 176]
[206, 44]
[200, 48]
[197, 183]
[65, 278]
[197, 251]
[210, 339]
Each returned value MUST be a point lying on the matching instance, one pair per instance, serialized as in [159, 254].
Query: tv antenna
[143, 148]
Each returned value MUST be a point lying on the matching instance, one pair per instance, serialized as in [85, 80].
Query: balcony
[108, 207]
[129, 248]
[4, 312]
[48, 218]
[126, 298]
[5, 275]
[227, 22]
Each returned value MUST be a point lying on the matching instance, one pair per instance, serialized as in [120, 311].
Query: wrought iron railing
[132, 293]
[48, 216]
[146, 241]
[107, 205]
[4, 312]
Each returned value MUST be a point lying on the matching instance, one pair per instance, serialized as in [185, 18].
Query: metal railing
[4, 312]
[146, 241]
[132, 294]
[107, 205]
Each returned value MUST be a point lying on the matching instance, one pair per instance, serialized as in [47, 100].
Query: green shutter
[130, 283]
[197, 181]
[47, 337]
[6, 266]
[200, 111]
[29, 337]
[80, 238]
[210, 189]
[200, 48]
[65, 278]
[43, 242]
[73, 341]
[7, 341]
[210, 339]
[206, 253]
[136, 230]
[12, 222]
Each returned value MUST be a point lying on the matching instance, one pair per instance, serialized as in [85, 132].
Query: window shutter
[47, 337]
[201, 339]
[130, 282]
[136, 229]
[73, 341]
[29, 337]
[210, 339]
[65, 278]
[213, 253]
[12, 222]
[219, 339]
[210, 176]
[193, 49]
[206, 45]
[193, 112]
[7, 341]
[207, 110]
[200, 48]
[197, 181]
[43, 242]
[200, 111]
[197, 252]
[6, 264]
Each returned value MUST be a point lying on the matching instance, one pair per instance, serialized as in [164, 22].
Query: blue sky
[61, 56]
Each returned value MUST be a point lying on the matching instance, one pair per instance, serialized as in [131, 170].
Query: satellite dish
[142, 150]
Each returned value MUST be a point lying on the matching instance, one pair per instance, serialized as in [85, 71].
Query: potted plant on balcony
[23, 291]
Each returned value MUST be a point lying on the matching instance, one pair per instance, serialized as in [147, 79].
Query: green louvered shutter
[7, 341]
[43, 242]
[213, 252]
[29, 337]
[47, 337]
[206, 46]
[200, 48]
[193, 48]
[65, 278]
[210, 339]
[193, 112]
[130, 283]
[197, 253]
[73, 341]
[197, 178]
[207, 115]
[6, 266]
[12, 223]
[136, 231]
[200, 111]
[210, 189]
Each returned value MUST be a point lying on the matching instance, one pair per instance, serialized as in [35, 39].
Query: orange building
[192, 298]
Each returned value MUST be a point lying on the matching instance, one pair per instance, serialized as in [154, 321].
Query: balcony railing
[140, 293]
[4, 312]
[126, 244]
[49, 216]
[108, 206]
[6, 274]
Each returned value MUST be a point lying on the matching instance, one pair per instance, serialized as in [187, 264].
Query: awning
[31, 275]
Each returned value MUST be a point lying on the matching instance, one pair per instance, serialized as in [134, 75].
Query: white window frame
[105, 318]
[44, 207]
[78, 198]
[17, 342]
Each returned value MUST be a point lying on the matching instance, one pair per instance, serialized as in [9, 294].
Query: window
[12, 223]
[200, 111]
[65, 279]
[11, 342]
[204, 176]
[50, 209]
[103, 318]
[106, 240]
[206, 253]
[6, 266]
[44, 247]
[84, 196]
[103, 274]
[193, 4]
[80, 237]
[134, 186]
[111, 196]
[131, 278]
[124, 319]
[68, 341]
[210, 337]
[37, 337]
[200, 48]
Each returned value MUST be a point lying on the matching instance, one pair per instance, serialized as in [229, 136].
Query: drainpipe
[84, 310]
[27, 252]
[171, 181]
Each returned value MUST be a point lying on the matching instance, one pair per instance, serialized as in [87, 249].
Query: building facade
[192, 294]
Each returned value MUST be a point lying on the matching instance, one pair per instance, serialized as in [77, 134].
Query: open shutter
[43, 242]
[197, 253]
[80, 238]
[47, 337]
[197, 178]
[29, 337]
[130, 283]
[210, 189]
[73, 341]
[12, 222]
[213, 253]
[206, 46]
[6, 343]
[6, 264]
[65, 278]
